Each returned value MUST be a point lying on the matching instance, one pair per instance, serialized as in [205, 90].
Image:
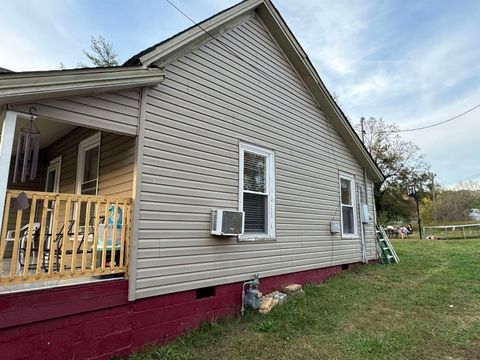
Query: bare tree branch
[101, 53]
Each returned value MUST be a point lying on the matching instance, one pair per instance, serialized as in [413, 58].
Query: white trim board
[270, 189]
[87, 144]
[353, 199]
[57, 165]
[6, 147]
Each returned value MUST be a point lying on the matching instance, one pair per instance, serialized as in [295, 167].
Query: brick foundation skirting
[96, 320]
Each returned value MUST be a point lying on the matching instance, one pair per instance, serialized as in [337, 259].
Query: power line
[434, 124]
[265, 75]
[225, 46]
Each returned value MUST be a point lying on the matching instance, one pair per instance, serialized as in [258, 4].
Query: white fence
[452, 231]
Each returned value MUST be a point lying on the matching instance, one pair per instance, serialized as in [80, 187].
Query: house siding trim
[270, 185]
[136, 193]
[192, 35]
[354, 198]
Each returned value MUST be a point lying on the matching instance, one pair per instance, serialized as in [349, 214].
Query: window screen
[257, 190]
[347, 203]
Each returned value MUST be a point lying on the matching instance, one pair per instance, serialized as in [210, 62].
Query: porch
[71, 222]
[66, 235]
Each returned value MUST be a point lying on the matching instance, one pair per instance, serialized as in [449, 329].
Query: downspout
[366, 202]
[362, 234]
[364, 245]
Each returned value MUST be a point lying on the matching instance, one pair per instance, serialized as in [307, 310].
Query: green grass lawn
[426, 307]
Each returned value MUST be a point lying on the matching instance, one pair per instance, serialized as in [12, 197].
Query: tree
[453, 205]
[101, 53]
[402, 164]
[399, 160]
[472, 185]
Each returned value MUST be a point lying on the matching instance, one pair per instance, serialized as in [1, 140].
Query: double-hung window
[88, 170]
[257, 192]
[347, 200]
[87, 166]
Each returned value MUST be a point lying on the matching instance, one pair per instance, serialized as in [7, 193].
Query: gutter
[28, 86]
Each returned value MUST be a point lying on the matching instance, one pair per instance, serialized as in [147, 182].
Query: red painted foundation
[96, 321]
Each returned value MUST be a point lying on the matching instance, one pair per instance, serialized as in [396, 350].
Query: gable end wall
[210, 101]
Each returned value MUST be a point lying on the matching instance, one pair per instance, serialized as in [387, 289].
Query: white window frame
[353, 199]
[57, 165]
[83, 147]
[269, 190]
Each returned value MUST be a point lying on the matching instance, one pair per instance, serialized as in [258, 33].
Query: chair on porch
[56, 245]
[35, 245]
[84, 235]
[106, 234]
[22, 247]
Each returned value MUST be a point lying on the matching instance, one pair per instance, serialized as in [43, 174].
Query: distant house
[110, 247]
[4, 71]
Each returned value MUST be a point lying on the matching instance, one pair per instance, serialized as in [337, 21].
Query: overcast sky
[411, 62]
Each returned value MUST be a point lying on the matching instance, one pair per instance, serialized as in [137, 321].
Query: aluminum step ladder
[385, 249]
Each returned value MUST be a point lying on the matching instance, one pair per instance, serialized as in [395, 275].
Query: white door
[52, 185]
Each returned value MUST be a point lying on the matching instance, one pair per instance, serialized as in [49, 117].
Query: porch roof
[39, 85]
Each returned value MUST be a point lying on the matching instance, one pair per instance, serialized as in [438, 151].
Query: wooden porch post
[6, 145]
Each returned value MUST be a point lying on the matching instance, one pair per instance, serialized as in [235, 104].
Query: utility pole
[434, 202]
[362, 124]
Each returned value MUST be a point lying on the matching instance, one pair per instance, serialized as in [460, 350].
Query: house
[3, 70]
[227, 115]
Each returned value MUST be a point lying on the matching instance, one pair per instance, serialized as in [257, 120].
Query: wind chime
[28, 146]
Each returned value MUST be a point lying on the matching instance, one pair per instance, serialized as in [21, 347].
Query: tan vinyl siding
[209, 102]
[115, 112]
[67, 148]
[117, 155]
[116, 161]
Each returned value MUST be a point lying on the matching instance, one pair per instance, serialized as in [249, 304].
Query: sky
[412, 63]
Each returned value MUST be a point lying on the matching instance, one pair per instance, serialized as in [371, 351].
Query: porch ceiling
[50, 131]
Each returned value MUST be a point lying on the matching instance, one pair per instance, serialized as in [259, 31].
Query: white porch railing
[58, 236]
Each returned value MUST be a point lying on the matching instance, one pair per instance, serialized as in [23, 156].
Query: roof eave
[41, 85]
[194, 33]
[299, 59]
[284, 37]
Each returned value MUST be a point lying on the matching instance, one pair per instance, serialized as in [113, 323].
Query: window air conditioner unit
[226, 222]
